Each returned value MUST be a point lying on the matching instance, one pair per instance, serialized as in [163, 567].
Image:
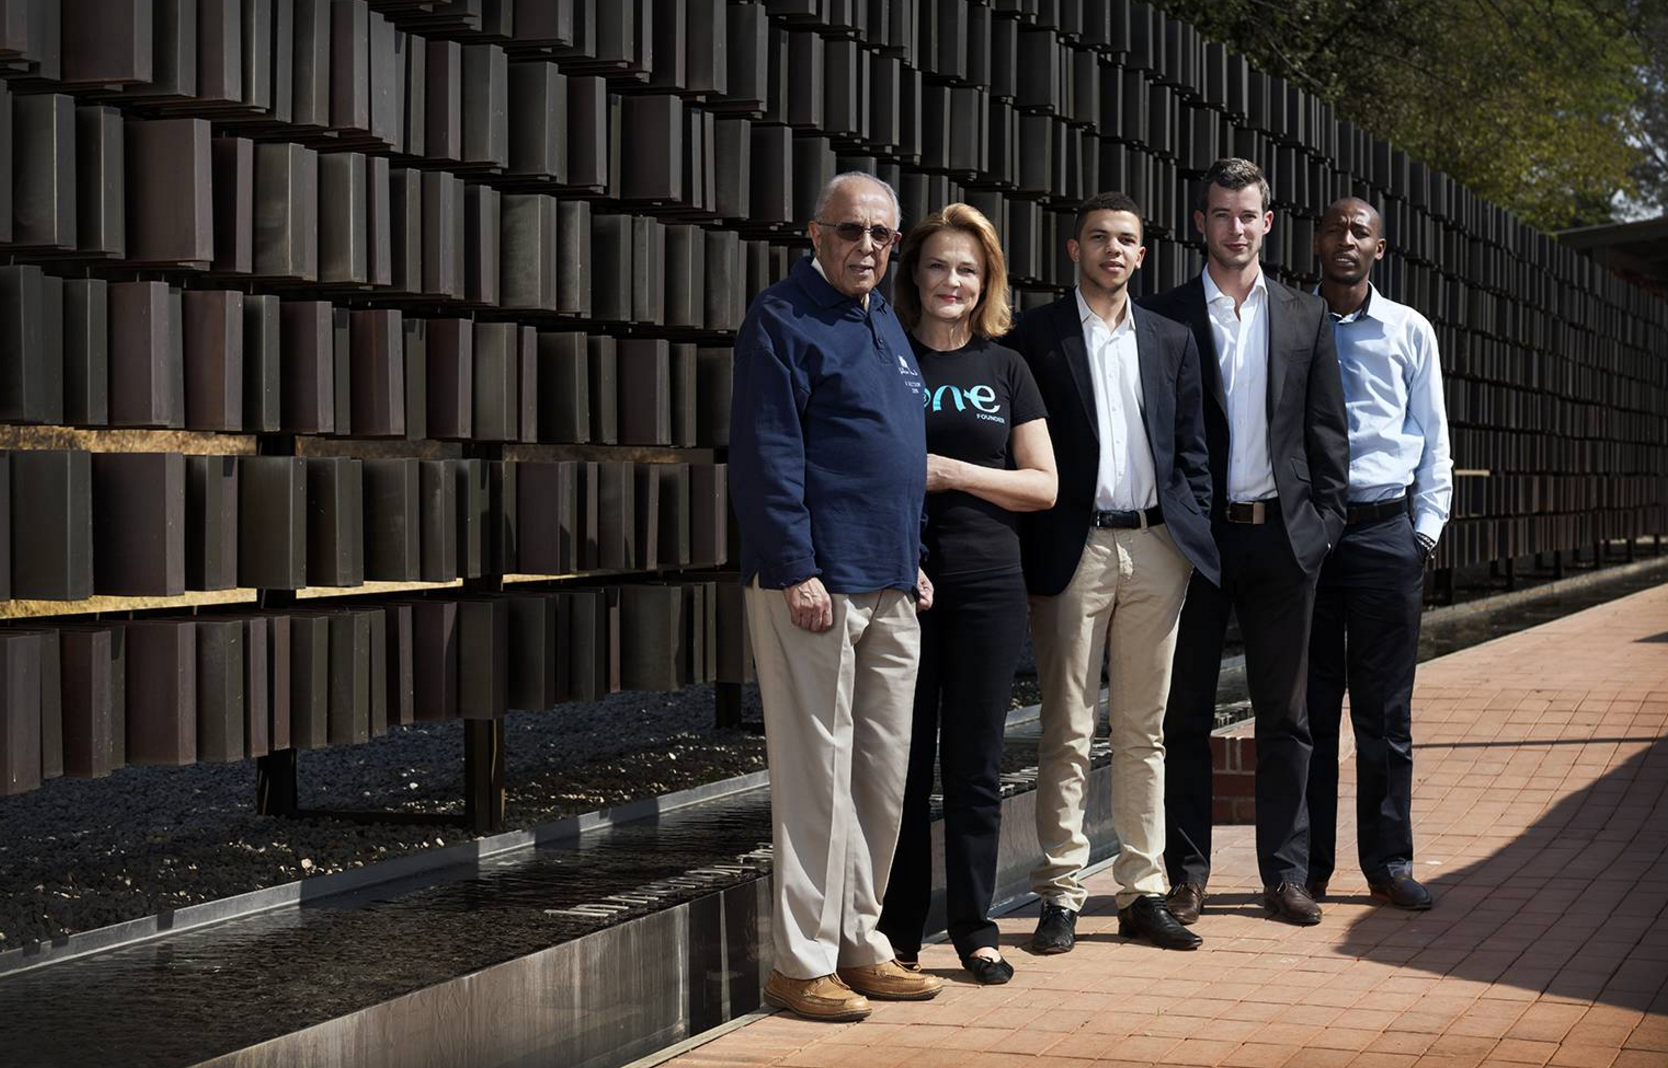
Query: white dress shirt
[1126, 481]
[1398, 422]
[1242, 354]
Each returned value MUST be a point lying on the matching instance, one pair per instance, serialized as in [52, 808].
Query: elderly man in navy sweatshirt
[828, 467]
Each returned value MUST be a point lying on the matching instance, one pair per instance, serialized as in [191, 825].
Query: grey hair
[838, 180]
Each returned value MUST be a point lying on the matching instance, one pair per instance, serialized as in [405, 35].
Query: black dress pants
[970, 642]
[1273, 598]
[1366, 639]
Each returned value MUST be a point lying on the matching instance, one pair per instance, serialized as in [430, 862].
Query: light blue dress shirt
[1398, 423]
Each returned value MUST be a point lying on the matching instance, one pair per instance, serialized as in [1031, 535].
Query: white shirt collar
[1213, 292]
[1085, 313]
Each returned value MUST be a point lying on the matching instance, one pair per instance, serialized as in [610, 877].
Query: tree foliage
[1535, 104]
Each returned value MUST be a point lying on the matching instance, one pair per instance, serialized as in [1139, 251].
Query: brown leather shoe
[822, 998]
[1184, 902]
[1291, 903]
[891, 981]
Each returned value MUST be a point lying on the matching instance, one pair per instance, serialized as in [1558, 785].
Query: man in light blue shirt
[1365, 632]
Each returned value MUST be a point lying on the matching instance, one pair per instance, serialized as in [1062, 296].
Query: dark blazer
[1308, 432]
[1051, 340]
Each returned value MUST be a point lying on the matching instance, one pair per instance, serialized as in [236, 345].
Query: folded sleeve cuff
[1429, 525]
[790, 573]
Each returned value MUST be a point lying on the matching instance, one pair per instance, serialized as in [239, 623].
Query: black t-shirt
[975, 396]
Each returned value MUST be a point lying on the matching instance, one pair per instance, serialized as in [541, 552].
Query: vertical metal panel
[214, 393]
[220, 51]
[308, 367]
[88, 702]
[450, 378]
[443, 229]
[350, 65]
[377, 373]
[161, 702]
[438, 486]
[86, 352]
[262, 375]
[51, 535]
[220, 694]
[147, 383]
[211, 526]
[443, 103]
[495, 401]
[538, 110]
[232, 162]
[257, 686]
[528, 253]
[343, 216]
[43, 191]
[472, 509]
[482, 226]
[101, 208]
[286, 212]
[24, 375]
[486, 110]
[393, 545]
[272, 522]
[139, 539]
[110, 43]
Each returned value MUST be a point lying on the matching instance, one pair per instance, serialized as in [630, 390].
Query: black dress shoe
[987, 972]
[1291, 903]
[1056, 930]
[1402, 891]
[1147, 917]
[1317, 889]
[1184, 902]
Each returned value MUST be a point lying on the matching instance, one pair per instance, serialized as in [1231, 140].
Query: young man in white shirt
[1365, 635]
[1279, 457]
[1107, 566]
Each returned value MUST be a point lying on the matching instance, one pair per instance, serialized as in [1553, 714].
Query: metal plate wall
[480, 266]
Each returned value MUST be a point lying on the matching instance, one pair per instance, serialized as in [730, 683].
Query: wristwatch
[1426, 543]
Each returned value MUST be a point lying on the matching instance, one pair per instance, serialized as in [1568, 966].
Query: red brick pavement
[1541, 826]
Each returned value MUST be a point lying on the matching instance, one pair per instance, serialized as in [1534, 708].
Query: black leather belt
[1150, 517]
[1253, 513]
[1372, 513]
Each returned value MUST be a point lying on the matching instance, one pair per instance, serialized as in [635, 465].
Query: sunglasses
[853, 232]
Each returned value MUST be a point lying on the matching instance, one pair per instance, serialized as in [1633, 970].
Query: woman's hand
[943, 473]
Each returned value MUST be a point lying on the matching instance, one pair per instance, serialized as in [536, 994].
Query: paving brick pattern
[1541, 804]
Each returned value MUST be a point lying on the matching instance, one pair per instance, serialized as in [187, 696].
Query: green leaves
[1534, 104]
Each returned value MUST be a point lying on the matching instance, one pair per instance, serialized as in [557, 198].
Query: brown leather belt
[1252, 513]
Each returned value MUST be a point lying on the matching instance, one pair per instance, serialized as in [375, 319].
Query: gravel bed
[80, 854]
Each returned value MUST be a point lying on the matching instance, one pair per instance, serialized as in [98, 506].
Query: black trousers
[1273, 598]
[970, 642]
[1366, 639]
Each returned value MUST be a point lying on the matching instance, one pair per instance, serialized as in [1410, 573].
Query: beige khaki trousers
[837, 708]
[1121, 608]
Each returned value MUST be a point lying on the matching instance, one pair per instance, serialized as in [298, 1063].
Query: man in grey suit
[1279, 459]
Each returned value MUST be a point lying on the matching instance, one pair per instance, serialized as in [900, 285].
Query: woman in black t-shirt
[989, 458]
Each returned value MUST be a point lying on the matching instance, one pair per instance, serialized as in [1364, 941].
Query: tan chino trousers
[837, 708]
[1121, 608]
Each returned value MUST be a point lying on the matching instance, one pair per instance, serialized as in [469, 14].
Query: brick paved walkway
[1542, 824]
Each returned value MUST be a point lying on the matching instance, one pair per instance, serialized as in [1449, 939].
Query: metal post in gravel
[483, 739]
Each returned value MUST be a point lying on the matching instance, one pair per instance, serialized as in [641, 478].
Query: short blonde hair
[993, 316]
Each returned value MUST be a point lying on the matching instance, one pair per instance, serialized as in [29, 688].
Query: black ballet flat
[988, 972]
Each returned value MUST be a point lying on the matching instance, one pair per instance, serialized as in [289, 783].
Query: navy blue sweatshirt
[828, 453]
